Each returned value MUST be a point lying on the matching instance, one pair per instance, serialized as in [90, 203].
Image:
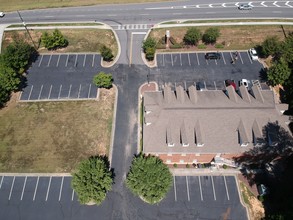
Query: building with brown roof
[202, 126]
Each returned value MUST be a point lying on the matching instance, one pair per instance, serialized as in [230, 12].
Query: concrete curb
[35, 174]
[113, 125]
[241, 198]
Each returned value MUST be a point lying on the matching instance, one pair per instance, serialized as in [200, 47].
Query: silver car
[244, 7]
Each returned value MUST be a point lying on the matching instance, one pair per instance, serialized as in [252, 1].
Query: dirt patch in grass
[80, 40]
[54, 136]
[232, 37]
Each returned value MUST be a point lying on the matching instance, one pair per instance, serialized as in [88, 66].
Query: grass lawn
[232, 37]
[80, 40]
[54, 136]
[32, 4]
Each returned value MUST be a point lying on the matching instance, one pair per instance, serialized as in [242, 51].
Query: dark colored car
[229, 82]
[212, 56]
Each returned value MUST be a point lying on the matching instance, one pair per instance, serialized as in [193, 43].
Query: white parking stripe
[75, 59]
[216, 62]
[172, 59]
[189, 59]
[200, 188]
[79, 90]
[226, 188]
[61, 186]
[205, 85]
[40, 92]
[49, 60]
[84, 60]
[197, 59]
[29, 96]
[163, 60]
[69, 91]
[240, 57]
[175, 189]
[59, 91]
[223, 58]
[41, 60]
[23, 187]
[93, 60]
[72, 196]
[215, 85]
[185, 86]
[249, 57]
[37, 183]
[48, 190]
[11, 188]
[58, 60]
[187, 187]
[1, 181]
[67, 60]
[89, 91]
[213, 188]
[180, 59]
[50, 92]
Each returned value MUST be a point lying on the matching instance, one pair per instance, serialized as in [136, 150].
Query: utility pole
[24, 24]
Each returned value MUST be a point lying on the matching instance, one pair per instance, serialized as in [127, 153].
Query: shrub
[150, 53]
[54, 41]
[173, 40]
[175, 165]
[201, 46]
[187, 165]
[149, 43]
[192, 36]
[103, 80]
[106, 53]
[219, 46]
[225, 166]
[210, 36]
[175, 46]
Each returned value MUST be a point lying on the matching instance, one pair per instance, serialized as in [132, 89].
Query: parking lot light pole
[24, 24]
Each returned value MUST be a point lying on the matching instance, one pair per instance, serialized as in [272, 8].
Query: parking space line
[187, 187]
[84, 60]
[213, 188]
[48, 190]
[216, 62]
[76, 56]
[29, 96]
[49, 60]
[93, 60]
[172, 59]
[188, 59]
[37, 183]
[1, 181]
[223, 58]
[72, 196]
[205, 85]
[180, 59]
[185, 86]
[215, 85]
[58, 61]
[61, 186]
[69, 91]
[79, 90]
[41, 60]
[240, 57]
[50, 92]
[40, 92]
[163, 59]
[207, 62]
[23, 187]
[249, 57]
[59, 91]
[197, 59]
[226, 188]
[175, 189]
[200, 188]
[67, 60]
[11, 188]
[89, 91]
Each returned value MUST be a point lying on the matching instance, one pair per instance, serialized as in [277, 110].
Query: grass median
[54, 136]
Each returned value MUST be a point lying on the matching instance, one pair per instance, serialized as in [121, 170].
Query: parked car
[243, 82]
[2, 14]
[253, 54]
[244, 7]
[229, 82]
[213, 56]
[200, 86]
[262, 190]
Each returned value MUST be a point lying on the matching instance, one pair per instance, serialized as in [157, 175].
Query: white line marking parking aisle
[11, 188]
[61, 186]
[48, 190]
[23, 188]
[175, 189]
[200, 188]
[226, 188]
[187, 187]
[1, 181]
[37, 183]
[213, 188]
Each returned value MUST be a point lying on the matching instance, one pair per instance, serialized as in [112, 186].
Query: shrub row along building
[190, 127]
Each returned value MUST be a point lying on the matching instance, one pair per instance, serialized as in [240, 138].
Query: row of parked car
[217, 56]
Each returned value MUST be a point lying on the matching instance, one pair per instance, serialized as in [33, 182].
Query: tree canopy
[149, 178]
[210, 35]
[271, 46]
[279, 72]
[92, 180]
[54, 41]
[103, 80]
[192, 36]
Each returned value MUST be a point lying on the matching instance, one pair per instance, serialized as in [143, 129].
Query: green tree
[54, 41]
[271, 46]
[92, 180]
[210, 35]
[287, 48]
[150, 53]
[279, 72]
[149, 178]
[149, 43]
[192, 36]
[106, 53]
[103, 80]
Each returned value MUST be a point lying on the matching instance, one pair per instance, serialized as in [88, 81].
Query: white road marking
[263, 4]
[185, 86]
[175, 189]
[11, 188]
[213, 188]
[197, 59]
[89, 90]
[216, 62]
[172, 59]
[37, 183]
[58, 60]
[23, 188]
[180, 59]
[1, 181]
[240, 57]
[215, 85]
[59, 91]
[61, 186]
[187, 187]
[72, 196]
[29, 96]
[210, 5]
[69, 91]
[75, 60]
[224, 5]
[249, 57]
[223, 58]
[200, 188]
[275, 3]
[93, 60]
[84, 60]
[287, 4]
[49, 60]
[226, 188]
[67, 60]
[48, 190]
[163, 60]
[41, 60]
[207, 62]
[189, 59]
[50, 92]
[79, 90]
[40, 92]
[205, 85]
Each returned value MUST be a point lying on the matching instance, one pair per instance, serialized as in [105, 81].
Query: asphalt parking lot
[207, 197]
[62, 77]
[192, 68]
